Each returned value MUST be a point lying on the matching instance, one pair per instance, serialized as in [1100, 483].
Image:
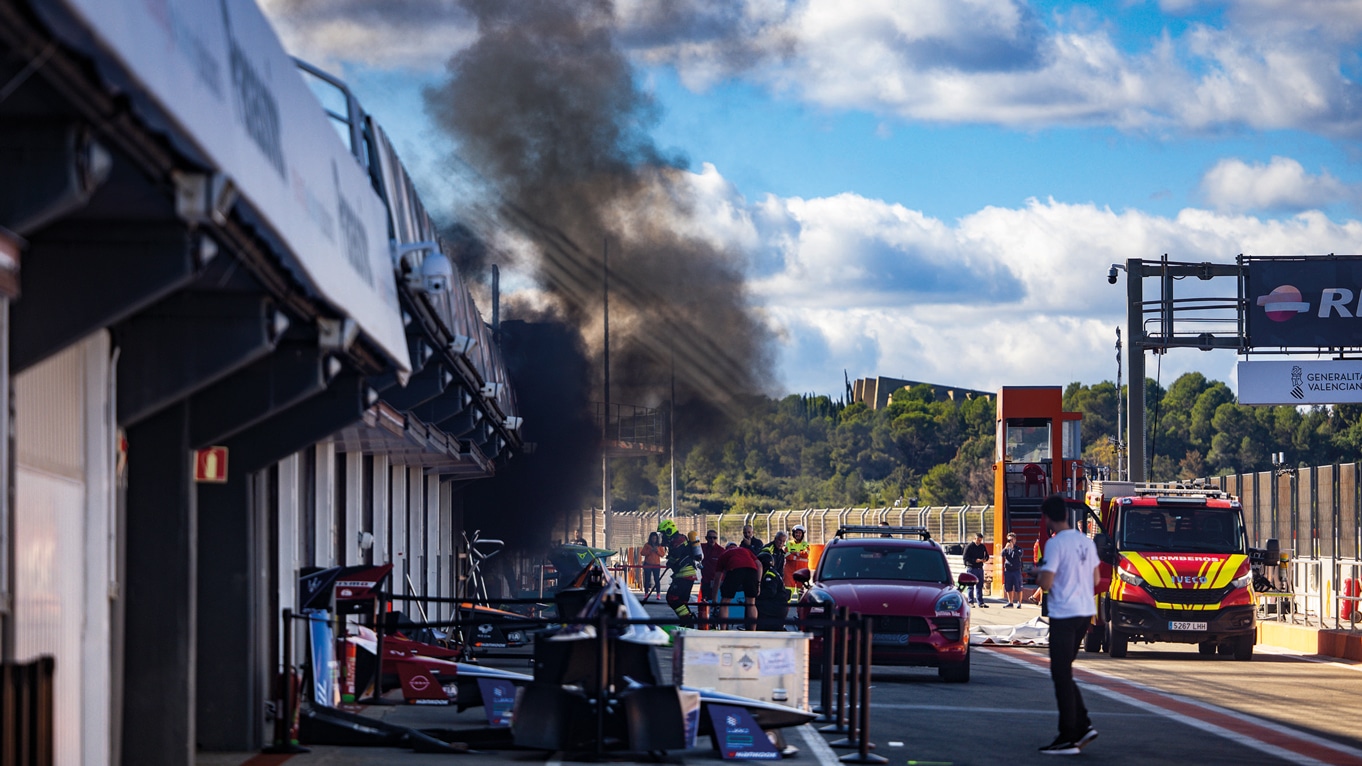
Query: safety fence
[948, 524]
[1316, 515]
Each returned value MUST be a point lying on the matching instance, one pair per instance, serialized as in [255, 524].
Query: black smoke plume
[546, 113]
[545, 109]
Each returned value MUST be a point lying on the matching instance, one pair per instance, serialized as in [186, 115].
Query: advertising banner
[218, 70]
[325, 670]
[1304, 302]
[498, 700]
[738, 735]
[1305, 382]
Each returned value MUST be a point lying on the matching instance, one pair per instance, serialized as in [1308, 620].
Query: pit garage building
[197, 254]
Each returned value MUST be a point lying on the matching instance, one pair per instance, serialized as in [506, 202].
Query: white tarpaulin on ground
[1033, 632]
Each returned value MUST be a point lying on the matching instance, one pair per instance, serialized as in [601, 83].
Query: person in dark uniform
[976, 555]
[776, 548]
[773, 600]
[750, 541]
[1012, 572]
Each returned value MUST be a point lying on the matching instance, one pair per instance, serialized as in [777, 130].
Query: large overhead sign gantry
[1297, 304]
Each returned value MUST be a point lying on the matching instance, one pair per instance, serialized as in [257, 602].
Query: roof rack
[1180, 490]
[883, 531]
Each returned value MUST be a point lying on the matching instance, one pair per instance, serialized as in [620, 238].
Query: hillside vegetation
[807, 451]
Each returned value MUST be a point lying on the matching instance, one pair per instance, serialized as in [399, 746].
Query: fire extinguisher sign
[210, 465]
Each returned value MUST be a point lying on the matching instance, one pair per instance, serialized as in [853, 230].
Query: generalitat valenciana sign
[1304, 382]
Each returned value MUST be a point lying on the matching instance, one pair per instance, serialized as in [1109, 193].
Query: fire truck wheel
[1092, 643]
[1206, 647]
[1117, 642]
[1243, 647]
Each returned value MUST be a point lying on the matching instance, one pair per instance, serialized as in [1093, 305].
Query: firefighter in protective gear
[683, 559]
[777, 550]
[796, 557]
[666, 528]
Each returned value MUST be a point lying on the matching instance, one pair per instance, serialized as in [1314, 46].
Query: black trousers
[1066, 636]
[678, 597]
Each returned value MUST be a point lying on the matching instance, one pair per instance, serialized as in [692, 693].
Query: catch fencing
[948, 524]
[1314, 514]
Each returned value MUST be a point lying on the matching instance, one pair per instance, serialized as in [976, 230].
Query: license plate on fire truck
[1186, 626]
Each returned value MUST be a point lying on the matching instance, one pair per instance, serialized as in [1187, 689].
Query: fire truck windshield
[1199, 529]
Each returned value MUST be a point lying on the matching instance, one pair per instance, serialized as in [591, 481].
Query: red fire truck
[1175, 568]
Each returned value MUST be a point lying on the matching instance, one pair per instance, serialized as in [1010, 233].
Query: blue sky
[935, 189]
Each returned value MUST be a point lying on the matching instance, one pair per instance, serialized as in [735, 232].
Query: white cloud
[1282, 184]
[1002, 296]
[999, 61]
[419, 35]
[1270, 64]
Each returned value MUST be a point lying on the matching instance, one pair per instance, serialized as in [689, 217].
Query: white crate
[772, 666]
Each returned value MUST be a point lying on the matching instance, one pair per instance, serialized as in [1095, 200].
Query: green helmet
[667, 527]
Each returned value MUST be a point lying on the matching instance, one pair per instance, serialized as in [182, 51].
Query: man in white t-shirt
[1067, 574]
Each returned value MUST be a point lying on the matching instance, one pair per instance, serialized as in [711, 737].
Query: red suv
[921, 618]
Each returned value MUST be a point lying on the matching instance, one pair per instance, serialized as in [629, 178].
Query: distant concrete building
[875, 392]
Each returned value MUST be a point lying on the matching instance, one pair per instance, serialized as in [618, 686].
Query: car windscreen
[870, 562]
[1187, 529]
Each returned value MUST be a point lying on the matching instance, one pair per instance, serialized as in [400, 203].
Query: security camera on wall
[436, 273]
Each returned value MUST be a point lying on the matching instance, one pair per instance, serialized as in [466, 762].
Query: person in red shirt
[709, 572]
[739, 572]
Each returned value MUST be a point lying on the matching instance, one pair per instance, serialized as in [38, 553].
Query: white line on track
[1243, 739]
[818, 746]
[969, 709]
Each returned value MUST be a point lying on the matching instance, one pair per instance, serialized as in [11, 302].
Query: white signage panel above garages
[218, 70]
[1305, 382]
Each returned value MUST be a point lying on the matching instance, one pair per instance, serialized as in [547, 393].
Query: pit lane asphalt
[1161, 704]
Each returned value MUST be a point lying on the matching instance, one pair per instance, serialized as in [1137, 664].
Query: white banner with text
[1303, 382]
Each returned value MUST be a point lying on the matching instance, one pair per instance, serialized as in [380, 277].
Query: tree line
[813, 451]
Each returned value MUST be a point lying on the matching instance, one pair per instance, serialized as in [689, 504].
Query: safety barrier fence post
[839, 640]
[826, 711]
[864, 745]
[853, 671]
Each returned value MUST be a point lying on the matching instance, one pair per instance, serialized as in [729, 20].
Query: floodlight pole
[605, 409]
